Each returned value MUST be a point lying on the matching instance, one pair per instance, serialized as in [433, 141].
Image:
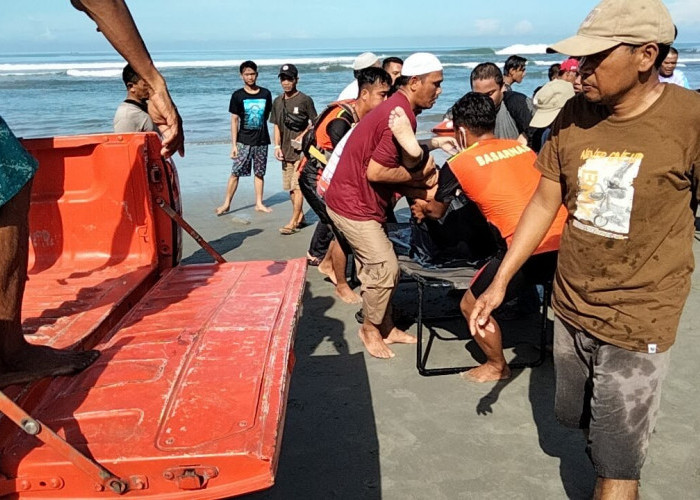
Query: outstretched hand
[447, 144]
[480, 321]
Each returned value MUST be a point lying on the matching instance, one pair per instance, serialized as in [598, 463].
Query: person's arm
[234, 135]
[432, 209]
[337, 129]
[114, 20]
[278, 144]
[534, 224]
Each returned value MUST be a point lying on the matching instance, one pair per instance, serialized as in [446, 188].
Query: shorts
[290, 175]
[612, 392]
[17, 166]
[250, 156]
[537, 270]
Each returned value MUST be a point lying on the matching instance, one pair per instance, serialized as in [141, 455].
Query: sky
[53, 25]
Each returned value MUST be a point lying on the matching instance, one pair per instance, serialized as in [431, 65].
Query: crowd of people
[589, 183]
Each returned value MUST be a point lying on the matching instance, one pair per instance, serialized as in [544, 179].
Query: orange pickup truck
[188, 397]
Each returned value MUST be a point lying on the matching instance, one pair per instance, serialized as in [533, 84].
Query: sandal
[312, 261]
[288, 230]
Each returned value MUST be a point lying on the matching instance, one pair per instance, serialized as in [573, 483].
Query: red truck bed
[187, 399]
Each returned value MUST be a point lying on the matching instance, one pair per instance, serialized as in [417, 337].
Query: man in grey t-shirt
[132, 114]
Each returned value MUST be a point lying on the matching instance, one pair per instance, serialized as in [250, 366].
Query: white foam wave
[469, 64]
[100, 73]
[234, 63]
[519, 48]
[688, 59]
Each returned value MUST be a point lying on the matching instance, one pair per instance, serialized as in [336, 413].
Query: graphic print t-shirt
[253, 111]
[626, 257]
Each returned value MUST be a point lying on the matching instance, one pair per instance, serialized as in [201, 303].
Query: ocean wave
[519, 48]
[234, 63]
[469, 64]
[99, 73]
[688, 59]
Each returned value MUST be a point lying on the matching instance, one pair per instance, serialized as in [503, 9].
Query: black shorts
[537, 270]
[307, 185]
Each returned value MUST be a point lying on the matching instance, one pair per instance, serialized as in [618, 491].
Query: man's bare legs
[495, 367]
[338, 264]
[230, 191]
[20, 361]
[616, 489]
[297, 206]
[259, 183]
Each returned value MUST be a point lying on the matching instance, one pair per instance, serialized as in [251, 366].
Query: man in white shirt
[132, 114]
[668, 72]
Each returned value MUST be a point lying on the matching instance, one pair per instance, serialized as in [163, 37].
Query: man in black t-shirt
[250, 108]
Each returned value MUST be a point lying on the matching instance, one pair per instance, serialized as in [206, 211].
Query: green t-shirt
[17, 166]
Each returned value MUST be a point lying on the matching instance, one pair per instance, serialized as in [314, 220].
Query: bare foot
[486, 373]
[35, 362]
[326, 267]
[374, 344]
[397, 336]
[222, 210]
[263, 208]
[400, 126]
[347, 295]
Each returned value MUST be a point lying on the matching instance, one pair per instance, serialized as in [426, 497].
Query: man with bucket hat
[620, 157]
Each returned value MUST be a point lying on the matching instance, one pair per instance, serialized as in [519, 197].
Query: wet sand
[362, 428]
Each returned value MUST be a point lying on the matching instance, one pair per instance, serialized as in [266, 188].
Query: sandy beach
[363, 428]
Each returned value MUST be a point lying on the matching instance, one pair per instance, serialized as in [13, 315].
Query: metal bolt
[55, 483]
[25, 485]
[168, 475]
[30, 426]
[169, 441]
[99, 487]
[117, 486]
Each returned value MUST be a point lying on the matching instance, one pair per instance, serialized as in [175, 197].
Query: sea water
[47, 94]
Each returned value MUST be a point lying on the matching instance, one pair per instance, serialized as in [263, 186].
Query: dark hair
[369, 76]
[514, 62]
[248, 64]
[389, 60]
[476, 112]
[553, 71]
[486, 71]
[672, 50]
[129, 75]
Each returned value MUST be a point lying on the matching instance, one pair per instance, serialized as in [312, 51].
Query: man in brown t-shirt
[620, 157]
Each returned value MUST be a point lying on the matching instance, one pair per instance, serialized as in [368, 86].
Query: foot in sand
[400, 126]
[347, 295]
[263, 208]
[397, 336]
[486, 373]
[222, 210]
[35, 362]
[374, 344]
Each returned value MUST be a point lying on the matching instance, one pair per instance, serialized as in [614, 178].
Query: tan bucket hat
[549, 100]
[613, 22]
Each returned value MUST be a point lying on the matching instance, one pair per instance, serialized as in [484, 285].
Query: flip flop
[288, 230]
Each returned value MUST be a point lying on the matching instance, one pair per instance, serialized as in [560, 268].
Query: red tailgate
[188, 397]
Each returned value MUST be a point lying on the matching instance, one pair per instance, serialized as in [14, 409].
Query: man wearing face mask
[499, 176]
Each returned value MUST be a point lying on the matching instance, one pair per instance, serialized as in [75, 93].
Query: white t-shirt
[677, 77]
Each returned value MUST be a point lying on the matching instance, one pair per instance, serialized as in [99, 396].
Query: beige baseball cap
[549, 100]
[613, 22]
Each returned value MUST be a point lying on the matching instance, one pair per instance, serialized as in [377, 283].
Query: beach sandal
[288, 230]
[312, 261]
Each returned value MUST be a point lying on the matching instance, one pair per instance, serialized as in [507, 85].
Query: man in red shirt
[368, 175]
[499, 176]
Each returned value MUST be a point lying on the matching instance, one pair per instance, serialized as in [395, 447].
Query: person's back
[499, 176]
